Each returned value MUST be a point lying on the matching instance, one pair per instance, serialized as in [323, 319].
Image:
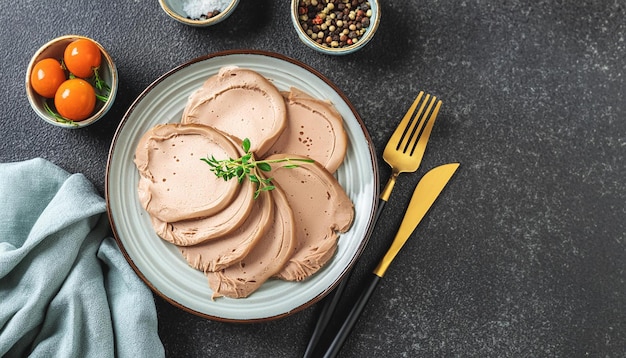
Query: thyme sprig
[103, 90]
[57, 117]
[247, 167]
[101, 85]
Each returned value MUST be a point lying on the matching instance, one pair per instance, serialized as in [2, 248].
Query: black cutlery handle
[352, 318]
[379, 211]
[332, 300]
[330, 304]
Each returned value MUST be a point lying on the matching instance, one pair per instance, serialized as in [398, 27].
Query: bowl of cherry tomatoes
[71, 81]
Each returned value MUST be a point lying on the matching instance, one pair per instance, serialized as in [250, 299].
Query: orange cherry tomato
[81, 57]
[75, 99]
[46, 76]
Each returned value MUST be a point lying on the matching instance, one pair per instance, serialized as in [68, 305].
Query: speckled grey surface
[525, 253]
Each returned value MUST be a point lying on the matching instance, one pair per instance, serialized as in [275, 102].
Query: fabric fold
[65, 287]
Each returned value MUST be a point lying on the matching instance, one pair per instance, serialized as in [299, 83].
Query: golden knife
[424, 195]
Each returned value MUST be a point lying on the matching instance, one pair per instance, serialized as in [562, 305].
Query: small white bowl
[176, 10]
[55, 49]
[328, 49]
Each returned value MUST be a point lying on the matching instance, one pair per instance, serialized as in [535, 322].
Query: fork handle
[379, 211]
[332, 300]
[384, 195]
[352, 318]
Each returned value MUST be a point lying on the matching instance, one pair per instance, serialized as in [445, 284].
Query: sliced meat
[213, 255]
[174, 183]
[321, 209]
[314, 129]
[267, 257]
[195, 231]
[242, 103]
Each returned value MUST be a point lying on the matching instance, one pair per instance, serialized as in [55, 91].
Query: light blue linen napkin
[65, 288]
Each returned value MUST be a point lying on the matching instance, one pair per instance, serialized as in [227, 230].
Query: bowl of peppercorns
[199, 13]
[335, 27]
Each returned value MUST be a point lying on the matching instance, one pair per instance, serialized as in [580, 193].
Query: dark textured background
[523, 256]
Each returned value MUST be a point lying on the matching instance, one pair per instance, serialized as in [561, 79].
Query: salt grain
[195, 9]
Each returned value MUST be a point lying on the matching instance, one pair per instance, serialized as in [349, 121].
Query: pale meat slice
[174, 183]
[213, 255]
[267, 257]
[322, 210]
[314, 129]
[242, 103]
[195, 231]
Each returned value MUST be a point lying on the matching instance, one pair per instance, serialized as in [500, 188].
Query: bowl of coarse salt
[199, 12]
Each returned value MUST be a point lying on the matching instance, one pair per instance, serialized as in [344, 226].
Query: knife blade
[424, 195]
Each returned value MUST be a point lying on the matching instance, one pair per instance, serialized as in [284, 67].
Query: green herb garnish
[98, 83]
[101, 85]
[57, 117]
[248, 167]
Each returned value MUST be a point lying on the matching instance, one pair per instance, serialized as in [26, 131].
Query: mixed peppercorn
[208, 15]
[334, 23]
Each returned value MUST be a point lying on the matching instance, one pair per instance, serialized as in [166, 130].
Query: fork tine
[419, 147]
[416, 126]
[403, 126]
[418, 130]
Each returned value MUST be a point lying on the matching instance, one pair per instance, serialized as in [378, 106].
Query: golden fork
[403, 152]
[407, 144]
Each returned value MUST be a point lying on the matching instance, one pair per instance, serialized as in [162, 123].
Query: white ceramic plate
[160, 264]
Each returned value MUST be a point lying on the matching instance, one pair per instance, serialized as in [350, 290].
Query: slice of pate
[267, 257]
[174, 183]
[314, 129]
[213, 255]
[240, 102]
[195, 231]
[321, 209]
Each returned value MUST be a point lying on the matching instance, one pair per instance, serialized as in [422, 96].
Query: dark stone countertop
[525, 253]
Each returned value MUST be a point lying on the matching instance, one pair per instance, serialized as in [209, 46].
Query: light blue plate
[160, 264]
